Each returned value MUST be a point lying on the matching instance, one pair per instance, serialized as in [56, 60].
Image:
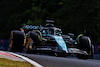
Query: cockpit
[51, 31]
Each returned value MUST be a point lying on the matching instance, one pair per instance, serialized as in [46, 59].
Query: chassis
[49, 39]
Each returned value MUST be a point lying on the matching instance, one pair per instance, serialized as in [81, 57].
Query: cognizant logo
[31, 27]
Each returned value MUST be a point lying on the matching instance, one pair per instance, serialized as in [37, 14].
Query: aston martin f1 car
[49, 39]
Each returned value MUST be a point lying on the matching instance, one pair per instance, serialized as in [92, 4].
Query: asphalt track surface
[52, 61]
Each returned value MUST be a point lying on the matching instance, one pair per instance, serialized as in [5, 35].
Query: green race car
[49, 39]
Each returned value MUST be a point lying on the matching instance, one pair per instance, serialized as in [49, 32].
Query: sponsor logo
[31, 27]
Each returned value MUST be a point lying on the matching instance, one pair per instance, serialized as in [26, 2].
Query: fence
[96, 56]
[4, 44]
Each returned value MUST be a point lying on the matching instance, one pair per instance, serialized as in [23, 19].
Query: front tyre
[84, 43]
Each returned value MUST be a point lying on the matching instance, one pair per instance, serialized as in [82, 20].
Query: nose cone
[61, 43]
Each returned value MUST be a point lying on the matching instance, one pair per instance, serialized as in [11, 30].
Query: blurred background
[72, 16]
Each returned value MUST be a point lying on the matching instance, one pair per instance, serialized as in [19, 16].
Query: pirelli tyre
[85, 44]
[16, 41]
[33, 41]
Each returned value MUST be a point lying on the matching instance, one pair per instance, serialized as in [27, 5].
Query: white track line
[27, 59]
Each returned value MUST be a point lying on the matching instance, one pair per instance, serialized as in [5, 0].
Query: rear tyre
[16, 41]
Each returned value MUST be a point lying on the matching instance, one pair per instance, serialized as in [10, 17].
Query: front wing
[77, 51]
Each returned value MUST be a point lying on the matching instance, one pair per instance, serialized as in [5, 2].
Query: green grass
[9, 63]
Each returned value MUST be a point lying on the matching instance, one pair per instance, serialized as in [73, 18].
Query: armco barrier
[4, 44]
[96, 52]
[96, 56]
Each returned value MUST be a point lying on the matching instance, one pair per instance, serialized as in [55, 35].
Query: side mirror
[71, 35]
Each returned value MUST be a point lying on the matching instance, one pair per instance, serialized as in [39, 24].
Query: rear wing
[50, 23]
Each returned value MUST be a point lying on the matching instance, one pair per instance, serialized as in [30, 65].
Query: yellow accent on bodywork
[25, 40]
[40, 34]
[89, 52]
[11, 40]
[79, 37]
[28, 44]
[11, 44]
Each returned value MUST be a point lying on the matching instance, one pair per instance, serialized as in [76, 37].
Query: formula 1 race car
[49, 39]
